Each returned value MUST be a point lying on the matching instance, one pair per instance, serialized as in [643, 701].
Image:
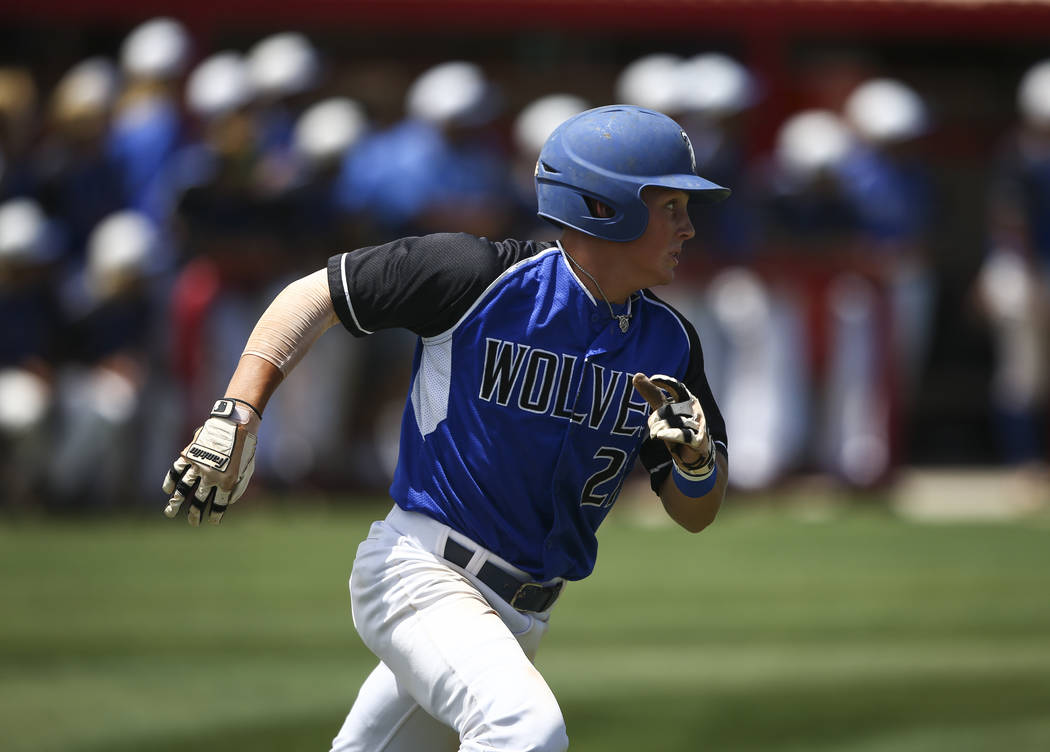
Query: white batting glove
[678, 420]
[213, 471]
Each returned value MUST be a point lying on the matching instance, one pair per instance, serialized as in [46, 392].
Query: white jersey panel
[430, 389]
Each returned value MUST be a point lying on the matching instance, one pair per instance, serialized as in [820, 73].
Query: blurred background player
[29, 343]
[533, 124]
[442, 166]
[111, 366]
[18, 129]
[148, 126]
[826, 413]
[894, 197]
[1013, 286]
[284, 70]
[79, 181]
[652, 81]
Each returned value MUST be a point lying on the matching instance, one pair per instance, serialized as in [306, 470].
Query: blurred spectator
[80, 182]
[893, 198]
[323, 137]
[804, 202]
[18, 124]
[532, 126]
[652, 81]
[28, 344]
[227, 209]
[1014, 283]
[284, 69]
[443, 167]
[833, 313]
[763, 378]
[147, 124]
[109, 355]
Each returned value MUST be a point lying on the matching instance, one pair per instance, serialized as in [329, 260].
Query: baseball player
[542, 372]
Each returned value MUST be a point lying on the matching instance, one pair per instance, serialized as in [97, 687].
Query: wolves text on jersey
[540, 381]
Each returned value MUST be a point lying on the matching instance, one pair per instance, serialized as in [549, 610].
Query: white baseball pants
[456, 660]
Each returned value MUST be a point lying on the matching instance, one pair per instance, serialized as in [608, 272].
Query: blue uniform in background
[512, 345]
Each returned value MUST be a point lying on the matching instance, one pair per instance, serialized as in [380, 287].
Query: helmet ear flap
[566, 206]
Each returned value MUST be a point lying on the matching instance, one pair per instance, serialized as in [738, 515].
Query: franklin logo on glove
[218, 461]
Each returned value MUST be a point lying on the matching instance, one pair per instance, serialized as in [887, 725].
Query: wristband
[691, 485]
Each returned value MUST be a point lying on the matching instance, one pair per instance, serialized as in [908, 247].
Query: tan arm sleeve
[301, 313]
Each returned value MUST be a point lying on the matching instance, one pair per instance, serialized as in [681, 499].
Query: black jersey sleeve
[423, 284]
[654, 454]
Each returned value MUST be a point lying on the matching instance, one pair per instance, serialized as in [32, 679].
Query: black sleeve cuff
[339, 292]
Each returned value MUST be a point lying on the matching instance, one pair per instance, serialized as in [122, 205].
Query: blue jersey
[522, 422]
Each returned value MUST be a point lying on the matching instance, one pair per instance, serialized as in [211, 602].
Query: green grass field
[859, 633]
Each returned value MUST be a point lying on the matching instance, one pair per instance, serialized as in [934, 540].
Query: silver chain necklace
[623, 318]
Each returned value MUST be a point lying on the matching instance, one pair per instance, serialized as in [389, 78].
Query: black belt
[524, 596]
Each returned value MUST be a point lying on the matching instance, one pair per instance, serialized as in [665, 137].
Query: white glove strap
[236, 410]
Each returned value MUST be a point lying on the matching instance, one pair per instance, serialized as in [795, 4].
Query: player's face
[656, 253]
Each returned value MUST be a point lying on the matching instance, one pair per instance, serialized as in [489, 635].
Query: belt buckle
[549, 595]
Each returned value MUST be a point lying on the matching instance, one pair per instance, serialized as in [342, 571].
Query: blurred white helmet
[538, 119]
[219, 85]
[715, 84]
[886, 111]
[1033, 95]
[88, 88]
[158, 48]
[23, 232]
[651, 81]
[452, 92]
[326, 130]
[24, 400]
[120, 249]
[811, 141]
[283, 65]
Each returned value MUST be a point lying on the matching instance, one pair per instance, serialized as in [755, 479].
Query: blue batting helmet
[610, 154]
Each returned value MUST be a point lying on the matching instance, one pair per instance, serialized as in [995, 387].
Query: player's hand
[213, 471]
[678, 420]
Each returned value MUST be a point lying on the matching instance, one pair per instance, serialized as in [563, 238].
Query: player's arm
[694, 514]
[693, 491]
[214, 469]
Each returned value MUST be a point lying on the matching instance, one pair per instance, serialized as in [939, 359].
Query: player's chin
[665, 277]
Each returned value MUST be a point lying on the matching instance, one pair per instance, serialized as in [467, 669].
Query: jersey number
[609, 476]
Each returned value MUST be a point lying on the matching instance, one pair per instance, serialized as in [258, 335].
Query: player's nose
[686, 229]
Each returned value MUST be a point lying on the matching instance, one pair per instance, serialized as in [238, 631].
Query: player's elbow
[701, 521]
[694, 515]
